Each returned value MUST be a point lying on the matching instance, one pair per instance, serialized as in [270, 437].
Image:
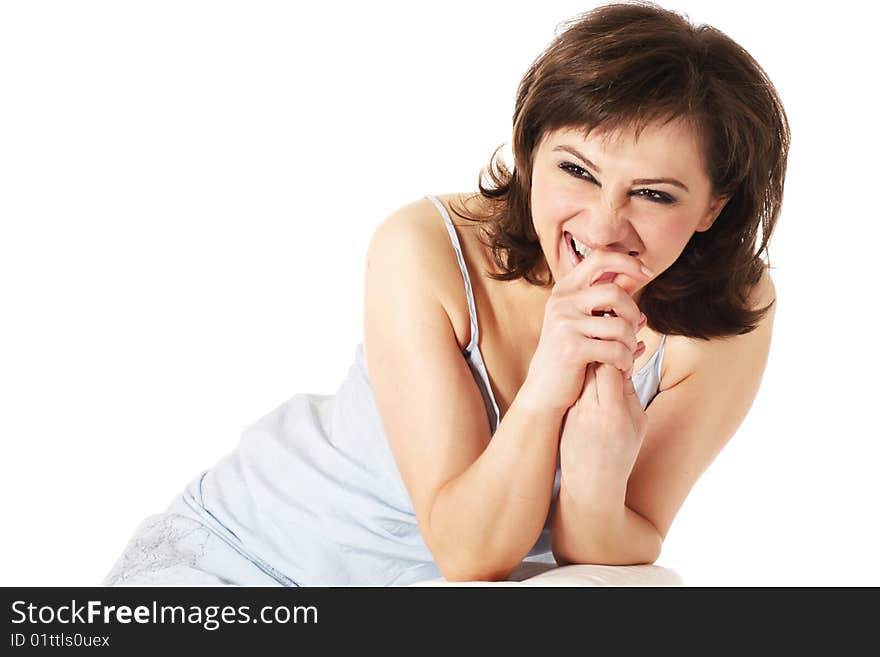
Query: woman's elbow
[474, 571]
[607, 560]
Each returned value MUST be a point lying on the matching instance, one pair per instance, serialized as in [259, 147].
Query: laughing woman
[546, 379]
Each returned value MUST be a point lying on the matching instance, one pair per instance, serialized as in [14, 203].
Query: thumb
[632, 396]
[629, 390]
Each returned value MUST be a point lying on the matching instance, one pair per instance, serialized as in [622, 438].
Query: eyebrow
[637, 181]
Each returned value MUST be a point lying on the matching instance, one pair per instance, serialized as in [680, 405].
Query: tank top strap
[453, 235]
[660, 357]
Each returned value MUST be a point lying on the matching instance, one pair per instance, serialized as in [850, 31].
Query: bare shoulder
[763, 294]
[418, 230]
[431, 407]
[685, 355]
[420, 221]
[692, 419]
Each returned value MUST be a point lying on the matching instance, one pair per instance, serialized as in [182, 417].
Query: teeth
[580, 248]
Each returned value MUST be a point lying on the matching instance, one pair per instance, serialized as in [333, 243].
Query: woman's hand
[603, 431]
[585, 321]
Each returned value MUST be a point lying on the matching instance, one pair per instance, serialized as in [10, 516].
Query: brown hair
[626, 65]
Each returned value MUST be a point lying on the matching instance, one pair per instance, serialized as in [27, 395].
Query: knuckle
[587, 350]
[570, 349]
[555, 309]
[599, 296]
[620, 295]
[620, 351]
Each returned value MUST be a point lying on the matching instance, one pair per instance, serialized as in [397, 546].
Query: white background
[187, 191]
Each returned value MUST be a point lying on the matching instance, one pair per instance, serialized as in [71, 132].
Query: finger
[607, 328]
[631, 397]
[611, 352]
[603, 261]
[609, 387]
[611, 299]
[589, 391]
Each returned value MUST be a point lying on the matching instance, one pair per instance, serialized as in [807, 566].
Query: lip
[586, 243]
[620, 279]
[575, 259]
[572, 256]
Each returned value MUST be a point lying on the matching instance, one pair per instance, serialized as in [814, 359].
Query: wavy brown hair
[623, 66]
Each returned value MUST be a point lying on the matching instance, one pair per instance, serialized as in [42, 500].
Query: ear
[712, 214]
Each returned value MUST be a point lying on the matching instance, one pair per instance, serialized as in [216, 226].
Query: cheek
[552, 203]
[665, 244]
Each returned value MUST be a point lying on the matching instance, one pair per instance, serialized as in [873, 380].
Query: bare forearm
[485, 521]
[600, 529]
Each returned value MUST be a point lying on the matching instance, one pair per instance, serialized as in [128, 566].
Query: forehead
[657, 142]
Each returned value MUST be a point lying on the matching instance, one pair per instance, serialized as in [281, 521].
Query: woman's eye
[650, 194]
[573, 169]
[656, 196]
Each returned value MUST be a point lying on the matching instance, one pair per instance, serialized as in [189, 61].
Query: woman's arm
[487, 519]
[601, 529]
[621, 516]
[481, 501]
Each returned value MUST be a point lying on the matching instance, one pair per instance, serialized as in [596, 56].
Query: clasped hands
[604, 429]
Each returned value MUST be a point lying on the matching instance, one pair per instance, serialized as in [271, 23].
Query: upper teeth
[580, 248]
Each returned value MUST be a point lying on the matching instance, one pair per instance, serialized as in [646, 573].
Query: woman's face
[608, 196]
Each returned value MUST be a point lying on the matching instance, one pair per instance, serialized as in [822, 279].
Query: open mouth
[574, 248]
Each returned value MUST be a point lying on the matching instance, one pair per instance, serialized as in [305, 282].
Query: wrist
[594, 492]
[592, 461]
[532, 404]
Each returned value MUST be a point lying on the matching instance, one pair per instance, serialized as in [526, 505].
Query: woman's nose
[613, 202]
[610, 229]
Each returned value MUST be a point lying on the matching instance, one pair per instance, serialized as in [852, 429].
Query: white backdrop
[187, 191]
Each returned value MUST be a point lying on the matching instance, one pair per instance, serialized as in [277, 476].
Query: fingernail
[629, 373]
[646, 271]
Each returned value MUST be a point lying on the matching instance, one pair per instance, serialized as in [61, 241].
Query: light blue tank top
[312, 495]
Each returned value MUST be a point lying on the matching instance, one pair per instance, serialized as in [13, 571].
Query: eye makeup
[649, 194]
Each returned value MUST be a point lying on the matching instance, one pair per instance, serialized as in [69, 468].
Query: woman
[546, 382]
